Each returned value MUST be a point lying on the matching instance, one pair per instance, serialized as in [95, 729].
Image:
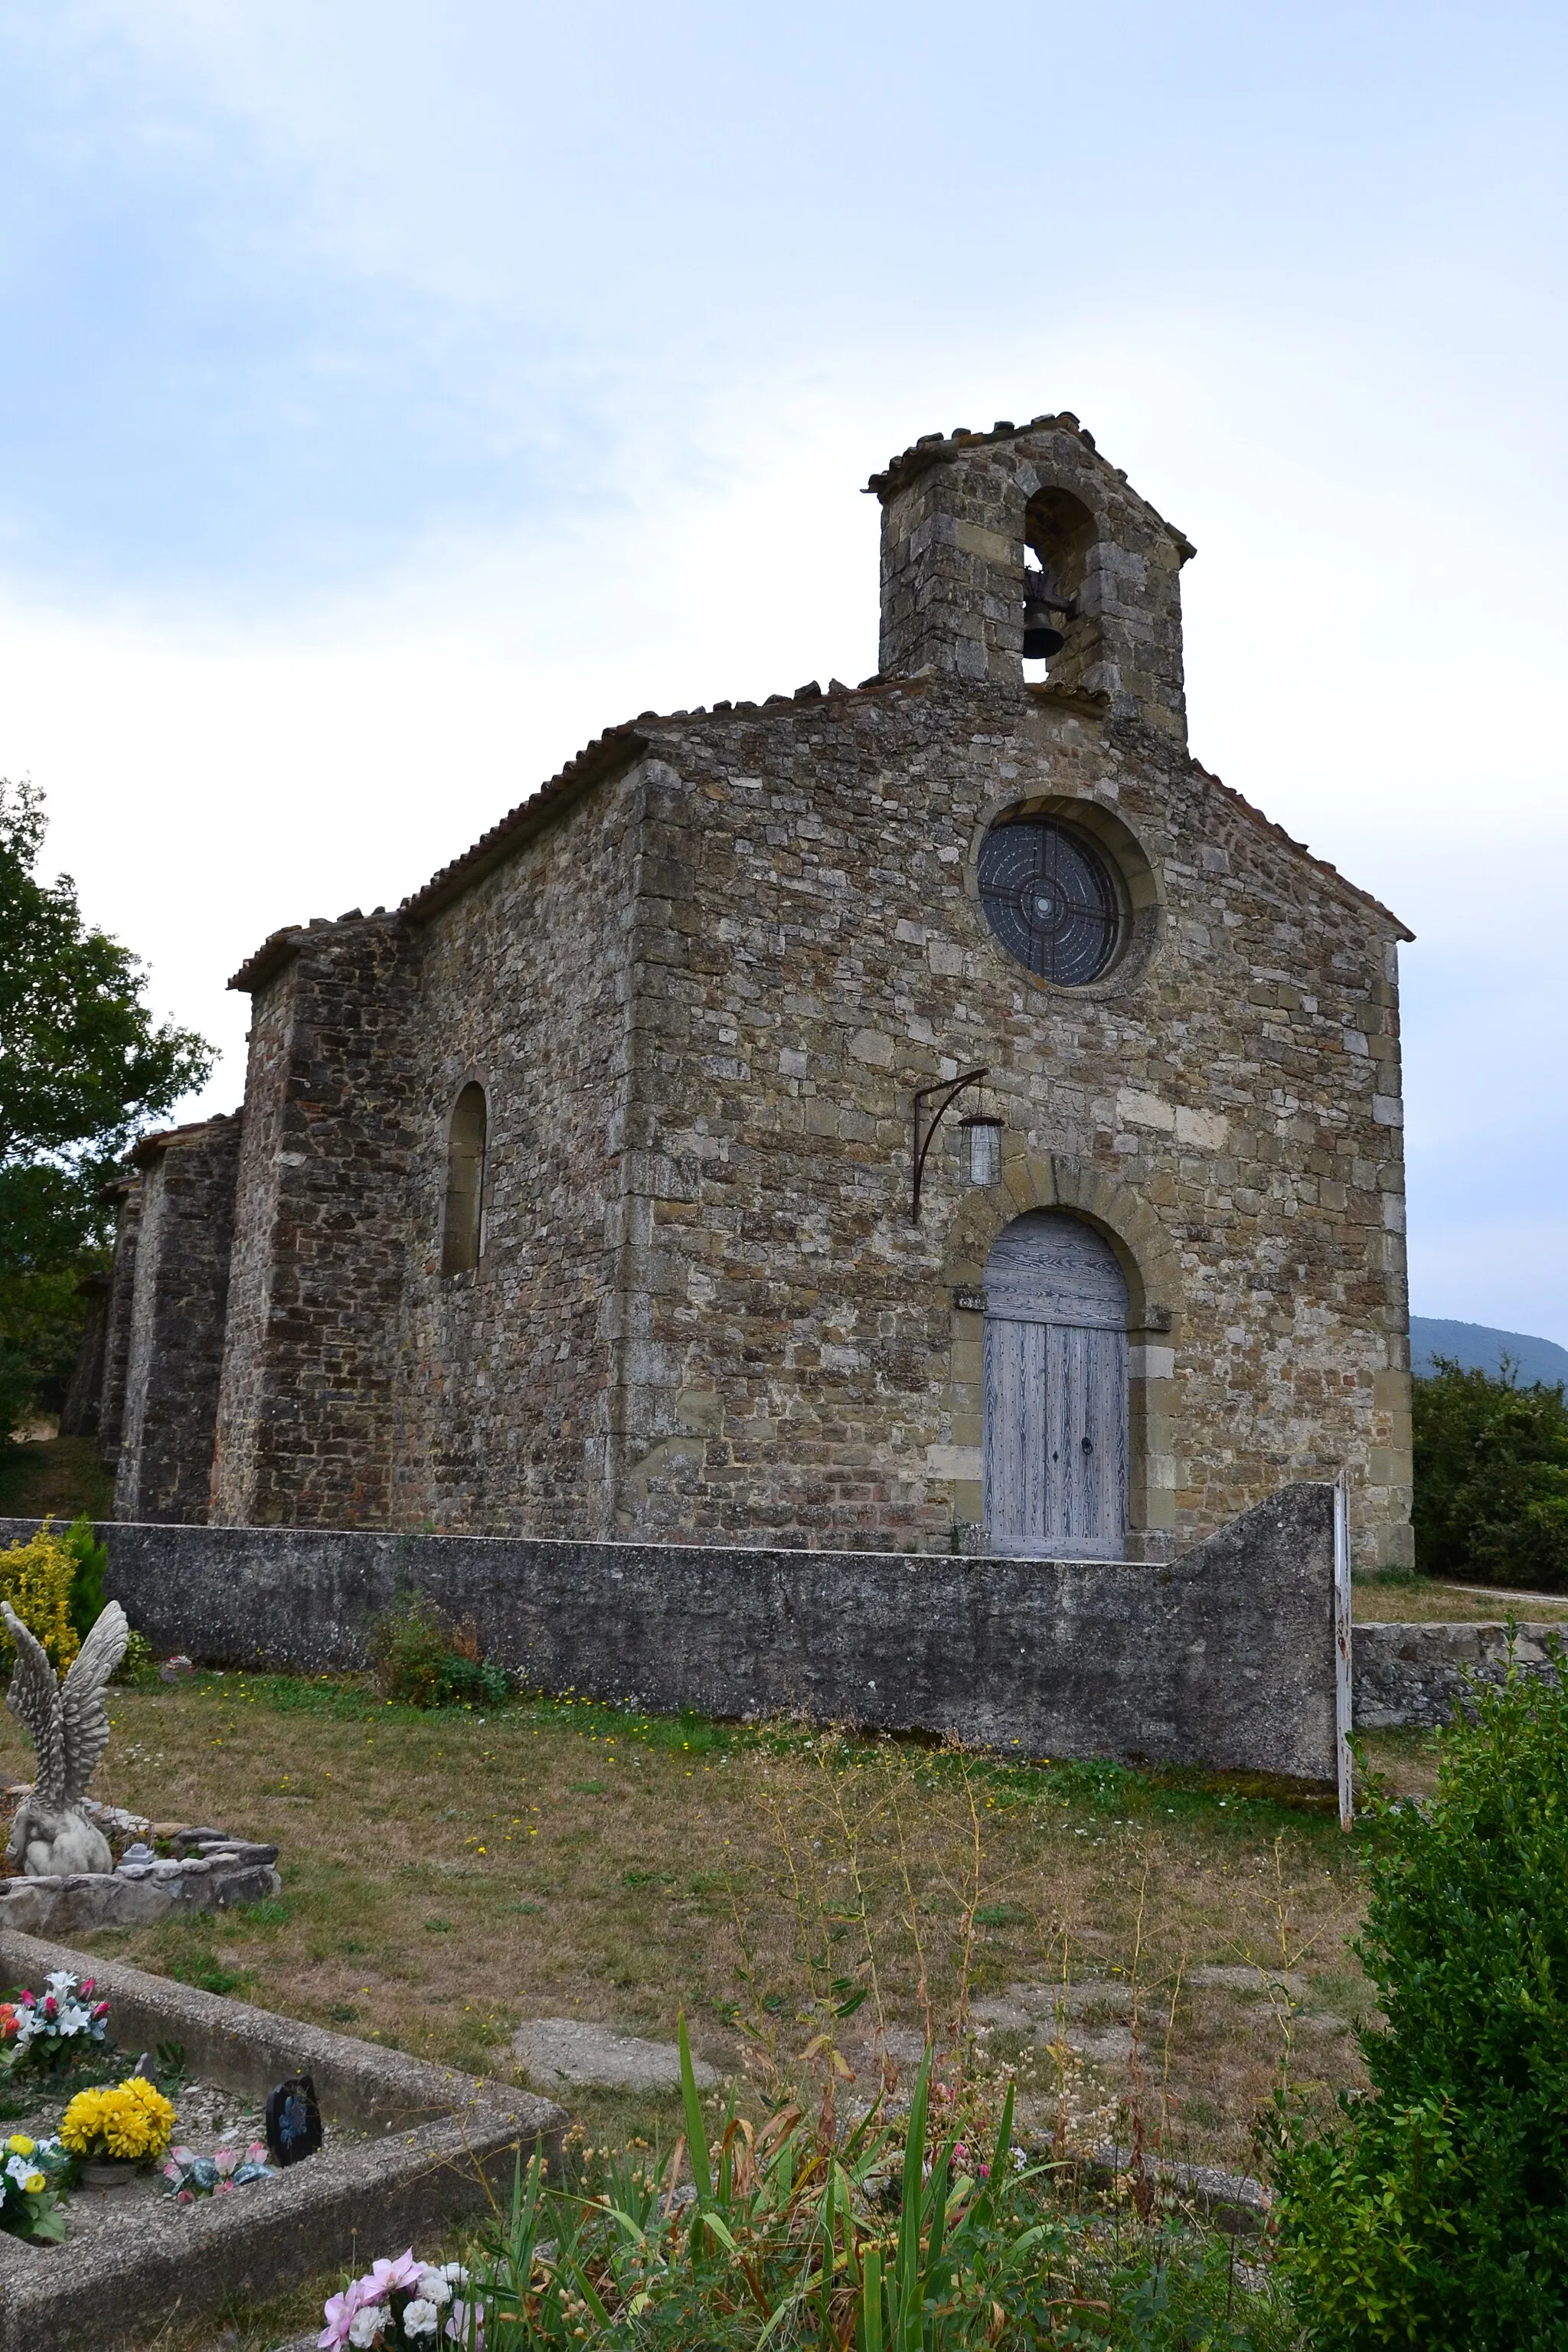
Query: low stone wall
[1412, 1674]
[1224, 1657]
[206, 1872]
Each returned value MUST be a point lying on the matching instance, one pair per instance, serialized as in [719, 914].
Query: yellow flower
[20, 2145]
[133, 2120]
[32, 2183]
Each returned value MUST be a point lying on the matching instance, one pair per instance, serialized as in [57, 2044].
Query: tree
[83, 1068]
[1491, 1478]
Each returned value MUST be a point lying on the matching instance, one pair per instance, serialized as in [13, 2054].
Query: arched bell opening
[462, 1228]
[1061, 635]
[1055, 1433]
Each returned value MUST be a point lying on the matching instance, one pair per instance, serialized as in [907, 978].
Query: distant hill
[1482, 1349]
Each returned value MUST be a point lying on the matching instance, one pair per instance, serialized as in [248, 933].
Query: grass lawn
[448, 1874]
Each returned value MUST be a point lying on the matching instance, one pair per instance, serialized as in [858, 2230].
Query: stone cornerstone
[575, 1198]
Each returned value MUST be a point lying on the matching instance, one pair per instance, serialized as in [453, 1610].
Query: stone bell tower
[979, 529]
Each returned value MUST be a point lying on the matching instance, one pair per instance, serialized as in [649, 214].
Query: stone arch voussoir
[1032, 1180]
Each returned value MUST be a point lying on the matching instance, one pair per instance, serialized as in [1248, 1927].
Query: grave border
[441, 2144]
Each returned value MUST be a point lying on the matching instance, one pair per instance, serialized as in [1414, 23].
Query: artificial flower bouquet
[132, 2122]
[44, 2033]
[404, 2303]
[190, 2176]
[32, 2173]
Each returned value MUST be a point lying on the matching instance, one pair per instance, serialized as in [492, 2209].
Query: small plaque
[293, 2120]
[969, 1298]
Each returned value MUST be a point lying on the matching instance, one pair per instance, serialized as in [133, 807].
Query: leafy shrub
[37, 1579]
[90, 1560]
[420, 1657]
[1491, 1478]
[138, 1666]
[1435, 2212]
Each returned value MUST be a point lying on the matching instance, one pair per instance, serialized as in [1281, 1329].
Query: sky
[392, 397]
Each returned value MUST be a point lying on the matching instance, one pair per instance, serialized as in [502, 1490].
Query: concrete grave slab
[567, 2052]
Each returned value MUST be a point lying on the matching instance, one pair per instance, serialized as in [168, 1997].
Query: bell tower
[1022, 545]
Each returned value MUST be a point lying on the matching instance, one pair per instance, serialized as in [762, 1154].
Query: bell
[1042, 638]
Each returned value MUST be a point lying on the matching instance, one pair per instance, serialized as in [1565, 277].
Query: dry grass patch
[1404, 1598]
[447, 1875]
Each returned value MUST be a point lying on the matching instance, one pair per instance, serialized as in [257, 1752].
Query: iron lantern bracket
[950, 1089]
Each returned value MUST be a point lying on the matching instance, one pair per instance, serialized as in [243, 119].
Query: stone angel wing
[34, 1698]
[84, 1717]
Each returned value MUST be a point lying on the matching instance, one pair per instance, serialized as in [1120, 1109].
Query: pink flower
[101, 2010]
[225, 2160]
[385, 2276]
[185, 2197]
[257, 2152]
[458, 2323]
[340, 2311]
[88, 1983]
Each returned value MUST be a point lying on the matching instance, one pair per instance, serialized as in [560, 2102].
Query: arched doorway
[1056, 1391]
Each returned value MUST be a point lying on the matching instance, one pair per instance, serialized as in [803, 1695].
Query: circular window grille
[1051, 899]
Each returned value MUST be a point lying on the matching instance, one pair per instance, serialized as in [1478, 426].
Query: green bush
[421, 1658]
[138, 1667]
[1491, 1478]
[92, 1558]
[1434, 2212]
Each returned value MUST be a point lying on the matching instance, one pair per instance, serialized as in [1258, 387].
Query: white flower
[21, 2169]
[60, 1983]
[455, 2272]
[433, 2286]
[367, 2323]
[420, 2317]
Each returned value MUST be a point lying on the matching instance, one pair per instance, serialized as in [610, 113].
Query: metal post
[1342, 1682]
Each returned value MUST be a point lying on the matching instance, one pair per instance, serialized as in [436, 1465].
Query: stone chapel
[933, 1113]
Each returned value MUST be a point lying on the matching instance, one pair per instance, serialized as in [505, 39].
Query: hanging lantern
[983, 1134]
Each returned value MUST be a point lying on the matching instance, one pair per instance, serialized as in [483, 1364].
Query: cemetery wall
[1224, 1657]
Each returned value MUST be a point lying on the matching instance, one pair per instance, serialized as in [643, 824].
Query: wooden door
[1056, 1391]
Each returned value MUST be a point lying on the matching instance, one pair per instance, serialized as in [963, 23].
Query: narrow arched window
[462, 1233]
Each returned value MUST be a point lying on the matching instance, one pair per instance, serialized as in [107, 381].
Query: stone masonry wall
[117, 1334]
[1225, 1106]
[176, 1326]
[506, 1394]
[307, 1424]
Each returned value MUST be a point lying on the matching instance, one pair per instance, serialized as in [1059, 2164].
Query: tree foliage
[1491, 1478]
[83, 1066]
[1435, 2212]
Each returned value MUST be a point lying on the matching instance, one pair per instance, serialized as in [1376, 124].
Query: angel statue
[67, 1723]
